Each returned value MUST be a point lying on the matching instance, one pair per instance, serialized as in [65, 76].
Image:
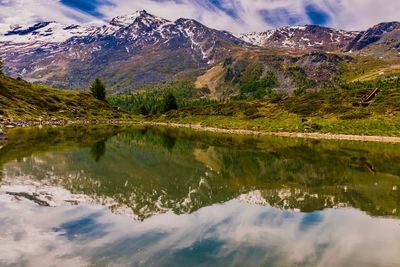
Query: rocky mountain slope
[243, 72]
[382, 40]
[141, 49]
[373, 35]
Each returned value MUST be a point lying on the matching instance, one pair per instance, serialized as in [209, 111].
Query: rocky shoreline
[57, 122]
[316, 135]
[9, 124]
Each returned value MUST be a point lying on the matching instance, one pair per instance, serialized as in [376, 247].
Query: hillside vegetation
[288, 98]
[326, 112]
[20, 100]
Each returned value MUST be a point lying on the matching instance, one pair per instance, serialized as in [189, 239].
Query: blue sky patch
[87, 6]
[310, 220]
[316, 15]
[229, 11]
[83, 228]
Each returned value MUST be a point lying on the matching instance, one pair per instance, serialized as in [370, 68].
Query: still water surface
[139, 196]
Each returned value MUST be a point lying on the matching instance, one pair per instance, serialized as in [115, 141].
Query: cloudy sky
[233, 15]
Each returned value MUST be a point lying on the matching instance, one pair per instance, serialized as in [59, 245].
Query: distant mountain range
[301, 37]
[141, 48]
[317, 37]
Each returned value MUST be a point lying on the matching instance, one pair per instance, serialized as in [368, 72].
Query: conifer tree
[98, 89]
[169, 102]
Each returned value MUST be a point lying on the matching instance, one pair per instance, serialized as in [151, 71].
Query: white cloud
[362, 14]
[232, 15]
[344, 14]
[23, 12]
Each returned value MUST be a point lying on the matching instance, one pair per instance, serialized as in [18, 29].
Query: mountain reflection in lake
[117, 196]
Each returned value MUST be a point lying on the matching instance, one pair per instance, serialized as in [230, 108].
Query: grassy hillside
[20, 100]
[328, 111]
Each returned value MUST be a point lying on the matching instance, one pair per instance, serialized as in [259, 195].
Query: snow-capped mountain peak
[138, 16]
[300, 37]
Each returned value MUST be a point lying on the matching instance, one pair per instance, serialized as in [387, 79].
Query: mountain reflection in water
[135, 196]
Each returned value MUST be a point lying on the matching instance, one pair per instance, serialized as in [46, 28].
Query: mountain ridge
[140, 48]
[161, 41]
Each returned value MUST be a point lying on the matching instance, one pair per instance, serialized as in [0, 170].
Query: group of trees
[260, 87]
[146, 102]
[251, 79]
[158, 99]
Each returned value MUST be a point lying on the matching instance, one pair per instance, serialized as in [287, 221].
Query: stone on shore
[3, 135]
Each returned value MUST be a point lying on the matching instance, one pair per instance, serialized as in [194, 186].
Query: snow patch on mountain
[49, 32]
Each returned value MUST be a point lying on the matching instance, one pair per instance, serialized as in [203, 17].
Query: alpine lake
[152, 196]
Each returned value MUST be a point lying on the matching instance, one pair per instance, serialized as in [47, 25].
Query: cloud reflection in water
[234, 234]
